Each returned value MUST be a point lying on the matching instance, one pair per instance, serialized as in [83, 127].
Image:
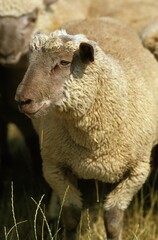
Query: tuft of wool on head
[63, 33]
[18, 8]
[38, 40]
[55, 40]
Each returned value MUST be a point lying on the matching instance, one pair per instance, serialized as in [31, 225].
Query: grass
[24, 218]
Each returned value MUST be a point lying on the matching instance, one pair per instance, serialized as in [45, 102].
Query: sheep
[93, 101]
[17, 21]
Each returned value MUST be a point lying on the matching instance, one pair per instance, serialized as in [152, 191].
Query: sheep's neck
[86, 132]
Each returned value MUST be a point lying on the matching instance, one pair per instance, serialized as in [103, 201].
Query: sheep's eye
[64, 63]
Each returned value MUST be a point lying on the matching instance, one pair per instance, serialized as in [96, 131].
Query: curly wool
[52, 41]
[18, 8]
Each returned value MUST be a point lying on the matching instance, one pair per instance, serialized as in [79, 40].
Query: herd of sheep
[86, 73]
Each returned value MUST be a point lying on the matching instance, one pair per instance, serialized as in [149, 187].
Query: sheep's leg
[64, 184]
[71, 219]
[53, 211]
[118, 200]
[113, 219]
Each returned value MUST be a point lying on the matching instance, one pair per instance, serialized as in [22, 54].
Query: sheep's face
[55, 78]
[15, 35]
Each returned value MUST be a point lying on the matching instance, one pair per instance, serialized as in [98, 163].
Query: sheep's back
[120, 42]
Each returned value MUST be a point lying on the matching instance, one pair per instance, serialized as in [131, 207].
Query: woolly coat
[136, 13]
[105, 124]
[140, 15]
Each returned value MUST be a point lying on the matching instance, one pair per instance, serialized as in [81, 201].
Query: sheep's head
[15, 36]
[17, 22]
[57, 78]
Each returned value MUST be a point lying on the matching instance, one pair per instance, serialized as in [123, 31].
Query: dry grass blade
[5, 233]
[13, 211]
[36, 213]
[89, 227]
[57, 230]
[44, 217]
[11, 229]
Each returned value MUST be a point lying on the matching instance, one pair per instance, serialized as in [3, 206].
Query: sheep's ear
[86, 52]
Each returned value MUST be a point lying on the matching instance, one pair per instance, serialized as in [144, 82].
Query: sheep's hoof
[113, 219]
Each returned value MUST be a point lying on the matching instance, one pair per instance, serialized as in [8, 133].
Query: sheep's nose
[24, 102]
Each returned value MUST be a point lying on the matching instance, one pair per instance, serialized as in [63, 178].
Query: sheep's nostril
[26, 102]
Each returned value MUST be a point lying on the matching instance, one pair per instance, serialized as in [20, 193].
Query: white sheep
[93, 100]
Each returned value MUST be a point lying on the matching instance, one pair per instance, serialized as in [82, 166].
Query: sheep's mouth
[35, 112]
